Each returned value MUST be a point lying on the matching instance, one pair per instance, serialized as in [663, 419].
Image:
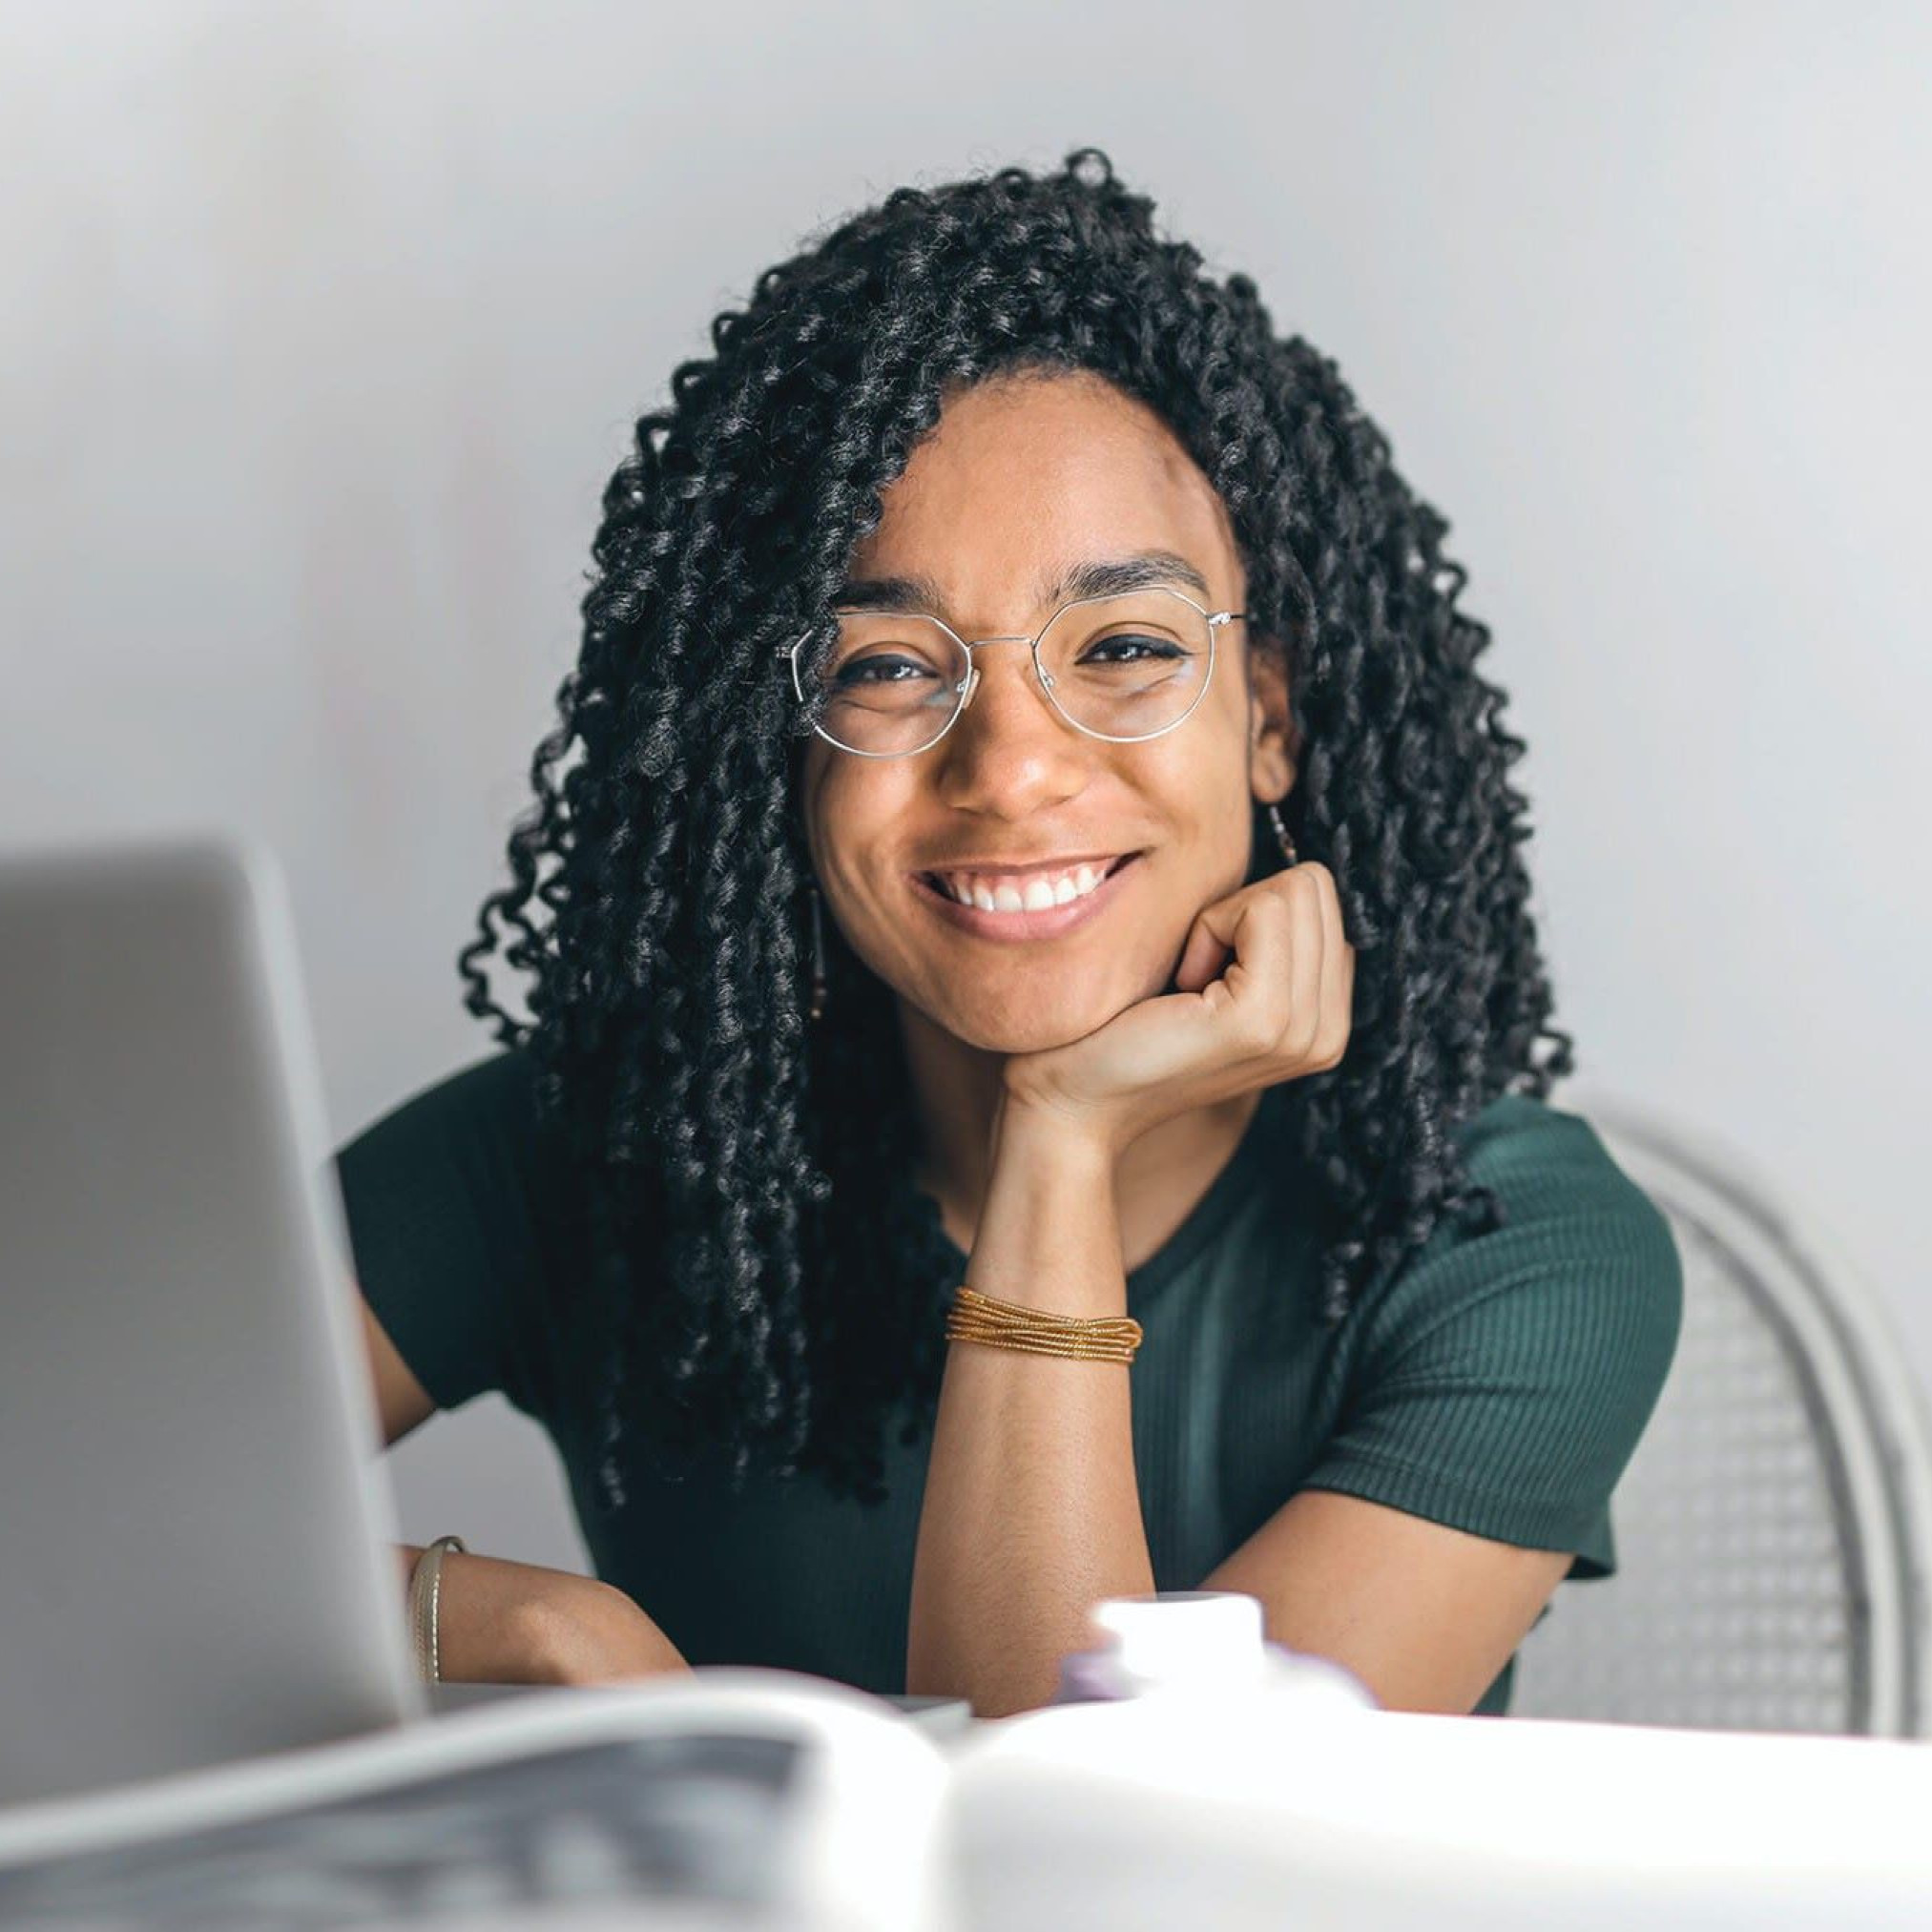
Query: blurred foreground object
[1176, 1810]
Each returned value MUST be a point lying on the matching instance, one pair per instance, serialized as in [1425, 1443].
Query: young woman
[1035, 1083]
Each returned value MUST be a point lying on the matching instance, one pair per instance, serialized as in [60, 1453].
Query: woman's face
[1025, 479]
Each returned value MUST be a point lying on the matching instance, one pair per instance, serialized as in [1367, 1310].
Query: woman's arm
[1032, 1511]
[499, 1622]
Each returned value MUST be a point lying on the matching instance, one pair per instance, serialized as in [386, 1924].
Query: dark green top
[1499, 1384]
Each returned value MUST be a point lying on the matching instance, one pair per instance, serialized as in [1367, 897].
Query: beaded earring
[817, 1008]
[1280, 831]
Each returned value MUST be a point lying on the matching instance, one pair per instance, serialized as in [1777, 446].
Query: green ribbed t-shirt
[1498, 1383]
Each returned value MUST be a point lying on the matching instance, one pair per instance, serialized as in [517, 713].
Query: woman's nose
[1008, 750]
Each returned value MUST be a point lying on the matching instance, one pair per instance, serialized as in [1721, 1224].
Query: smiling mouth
[1036, 891]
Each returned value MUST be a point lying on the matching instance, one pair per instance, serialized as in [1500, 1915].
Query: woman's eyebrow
[1097, 577]
[889, 593]
[1113, 576]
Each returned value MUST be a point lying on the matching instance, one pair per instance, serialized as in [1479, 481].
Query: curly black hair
[759, 1243]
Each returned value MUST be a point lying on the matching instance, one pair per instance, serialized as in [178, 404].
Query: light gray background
[322, 328]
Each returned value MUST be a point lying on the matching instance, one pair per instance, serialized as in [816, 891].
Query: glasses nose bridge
[972, 669]
[973, 644]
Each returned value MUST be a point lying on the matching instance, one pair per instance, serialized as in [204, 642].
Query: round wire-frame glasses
[963, 691]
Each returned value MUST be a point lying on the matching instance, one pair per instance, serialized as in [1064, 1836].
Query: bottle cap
[1184, 1637]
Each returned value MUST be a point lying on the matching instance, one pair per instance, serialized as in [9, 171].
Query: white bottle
[1201, 1641]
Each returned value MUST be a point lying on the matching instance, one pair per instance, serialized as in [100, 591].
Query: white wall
[320, 328]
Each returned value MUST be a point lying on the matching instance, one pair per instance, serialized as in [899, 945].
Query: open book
[738, 1798]
[757, 1798]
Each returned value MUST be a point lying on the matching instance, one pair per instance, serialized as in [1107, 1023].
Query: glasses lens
[891, 682]
[1128, 667]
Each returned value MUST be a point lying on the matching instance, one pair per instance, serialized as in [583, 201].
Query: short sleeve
[1502, 1381]
[449, 1201]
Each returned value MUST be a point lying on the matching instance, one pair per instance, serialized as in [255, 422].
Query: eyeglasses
[1124, 668]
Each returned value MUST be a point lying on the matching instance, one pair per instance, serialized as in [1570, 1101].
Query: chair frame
[1868, 1414]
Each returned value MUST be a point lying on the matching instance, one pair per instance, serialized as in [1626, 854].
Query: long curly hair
[761, 1248]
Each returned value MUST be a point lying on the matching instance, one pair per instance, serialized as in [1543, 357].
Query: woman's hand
[1266, 981]
[597, 1635]
[499, 1622]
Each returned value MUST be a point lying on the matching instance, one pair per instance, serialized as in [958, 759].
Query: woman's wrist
[1046, 1134]
[1049, 1232]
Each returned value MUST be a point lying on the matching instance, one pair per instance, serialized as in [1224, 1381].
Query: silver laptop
[194, 1526]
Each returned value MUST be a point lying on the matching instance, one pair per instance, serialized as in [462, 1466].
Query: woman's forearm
[1032, 1511]
[499, 1622]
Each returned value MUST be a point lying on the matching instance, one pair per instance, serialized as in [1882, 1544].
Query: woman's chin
[1037, 1032]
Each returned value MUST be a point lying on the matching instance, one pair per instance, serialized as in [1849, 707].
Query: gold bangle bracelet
[1034, 1331]
[1045, 1344]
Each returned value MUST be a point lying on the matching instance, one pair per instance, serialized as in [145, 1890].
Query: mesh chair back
[1773, 1528]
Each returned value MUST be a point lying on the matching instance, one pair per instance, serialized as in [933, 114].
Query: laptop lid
[194, 1530]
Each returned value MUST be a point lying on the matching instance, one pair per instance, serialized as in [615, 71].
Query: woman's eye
[881, 671]
[1131, 648]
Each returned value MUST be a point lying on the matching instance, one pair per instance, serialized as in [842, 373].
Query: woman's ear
[1274, 740]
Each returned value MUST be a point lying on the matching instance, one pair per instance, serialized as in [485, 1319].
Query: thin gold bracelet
[1034, 1331]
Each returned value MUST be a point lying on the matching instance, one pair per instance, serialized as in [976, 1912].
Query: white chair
[1774, 1529]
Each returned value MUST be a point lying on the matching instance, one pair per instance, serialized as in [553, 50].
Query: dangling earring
[1280, 831]
[816, 1009]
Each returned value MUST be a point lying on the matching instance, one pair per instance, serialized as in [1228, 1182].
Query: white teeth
[1001, 893]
